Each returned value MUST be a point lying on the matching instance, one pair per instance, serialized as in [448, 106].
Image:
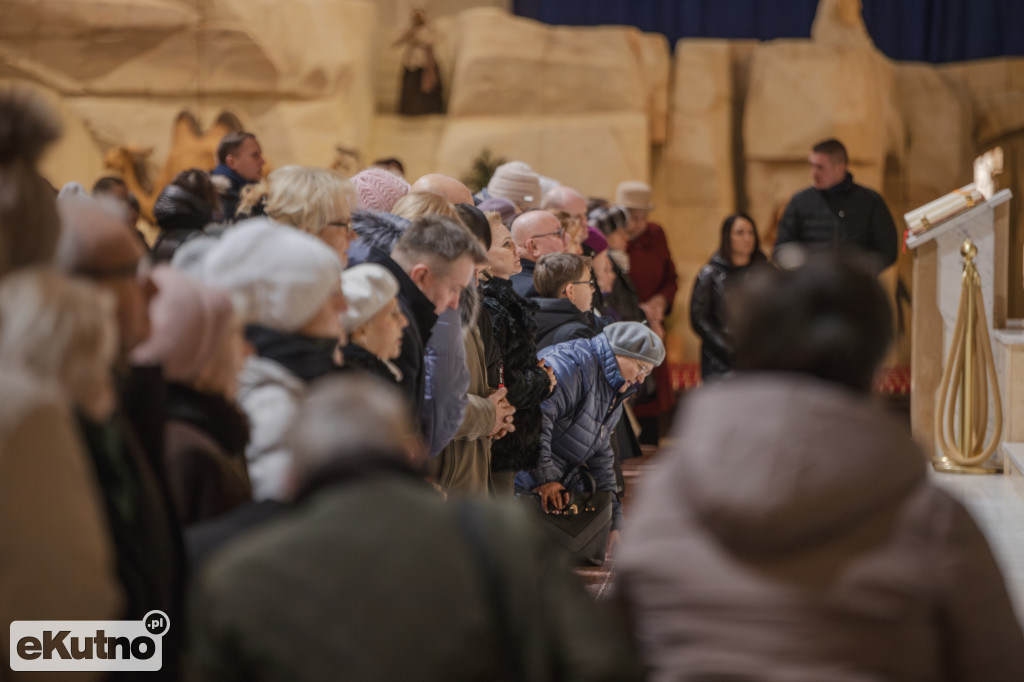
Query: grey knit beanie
[635, 340]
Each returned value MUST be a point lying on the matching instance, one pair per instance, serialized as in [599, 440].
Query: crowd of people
[299, 422]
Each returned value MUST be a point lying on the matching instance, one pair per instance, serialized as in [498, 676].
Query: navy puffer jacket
[578, 418]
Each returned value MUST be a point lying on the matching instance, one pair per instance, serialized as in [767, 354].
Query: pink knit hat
[379, 189]
[188, 323]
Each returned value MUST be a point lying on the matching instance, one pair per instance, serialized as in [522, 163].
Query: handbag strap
[577, 474]
[470, 518]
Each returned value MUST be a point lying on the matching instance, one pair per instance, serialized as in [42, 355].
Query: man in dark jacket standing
[837, 212]
[239, 163]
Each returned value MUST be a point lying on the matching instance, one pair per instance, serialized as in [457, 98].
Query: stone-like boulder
[510, 65]
[174, 48]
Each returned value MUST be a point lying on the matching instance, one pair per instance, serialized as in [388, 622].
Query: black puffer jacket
[843, 216]
[708, 311]
[528, 384]
[179, 215]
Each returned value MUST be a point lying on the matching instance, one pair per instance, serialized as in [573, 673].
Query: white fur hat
[368, 288]
[279, 276]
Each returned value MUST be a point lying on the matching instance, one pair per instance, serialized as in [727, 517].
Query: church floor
[995, 502]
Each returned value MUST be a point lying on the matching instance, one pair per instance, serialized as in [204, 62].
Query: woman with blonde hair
[314, 200]
[418, 204]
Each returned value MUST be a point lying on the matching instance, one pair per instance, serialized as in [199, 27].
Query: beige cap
[633, 194]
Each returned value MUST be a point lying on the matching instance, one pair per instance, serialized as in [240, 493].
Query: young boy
[566, 287]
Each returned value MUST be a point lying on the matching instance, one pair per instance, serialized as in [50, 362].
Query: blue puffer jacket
[578, 418]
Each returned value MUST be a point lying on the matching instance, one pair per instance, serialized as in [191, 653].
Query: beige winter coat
[464, 466]
[791, 534]
[56, 559]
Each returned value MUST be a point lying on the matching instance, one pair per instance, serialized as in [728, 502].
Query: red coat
[651, 267]
[653, 272]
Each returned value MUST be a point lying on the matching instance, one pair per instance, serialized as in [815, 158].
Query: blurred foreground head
[353, 421]
[827, 317]
[28, 214]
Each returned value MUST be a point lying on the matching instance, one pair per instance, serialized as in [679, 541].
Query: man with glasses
[536, 233]
[595, 376]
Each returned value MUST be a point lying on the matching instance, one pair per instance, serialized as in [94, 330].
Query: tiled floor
[998, 508]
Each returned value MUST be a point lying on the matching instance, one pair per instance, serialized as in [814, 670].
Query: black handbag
[583, 525]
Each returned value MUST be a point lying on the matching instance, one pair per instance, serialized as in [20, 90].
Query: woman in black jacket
[528, 381]
[738, 251]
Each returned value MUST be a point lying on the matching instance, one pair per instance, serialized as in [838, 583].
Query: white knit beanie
[279, 276]
[368, 288]
[516, 182]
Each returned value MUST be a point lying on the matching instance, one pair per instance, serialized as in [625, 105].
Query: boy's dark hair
[554, 271]
[828, 318]
[230, 143]
[197, 183]
[832, 148]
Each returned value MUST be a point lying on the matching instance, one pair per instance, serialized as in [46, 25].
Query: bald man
[449, 188]
[566, 199]
[127, 451]
[535, 233]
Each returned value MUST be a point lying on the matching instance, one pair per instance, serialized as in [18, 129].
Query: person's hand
[551, 374]
[613, 541]
[552, 496]
[654, 308]
[503, 411]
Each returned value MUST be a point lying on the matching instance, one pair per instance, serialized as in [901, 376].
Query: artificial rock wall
[716, 126]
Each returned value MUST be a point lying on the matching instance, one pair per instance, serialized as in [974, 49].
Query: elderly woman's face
[382, 333]
[338, 235]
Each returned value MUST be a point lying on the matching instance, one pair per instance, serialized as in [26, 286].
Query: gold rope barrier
[970, 370]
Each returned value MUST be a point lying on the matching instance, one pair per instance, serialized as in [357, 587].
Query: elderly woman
[289, 284]
[595, 376]
[316, 201]
[374, 321]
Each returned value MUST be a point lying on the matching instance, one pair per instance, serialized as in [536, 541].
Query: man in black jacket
[837, 212]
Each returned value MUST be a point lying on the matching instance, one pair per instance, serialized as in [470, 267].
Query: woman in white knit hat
[374, 321]
[289, 285]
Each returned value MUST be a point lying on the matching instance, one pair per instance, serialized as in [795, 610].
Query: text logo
[103, 645]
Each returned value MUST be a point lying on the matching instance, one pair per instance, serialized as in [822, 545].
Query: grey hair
[439, 241]
[347, 418]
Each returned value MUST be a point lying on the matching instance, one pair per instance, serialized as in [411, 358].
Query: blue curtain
[917, 30]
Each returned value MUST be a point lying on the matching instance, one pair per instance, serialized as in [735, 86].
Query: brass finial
[968, 250]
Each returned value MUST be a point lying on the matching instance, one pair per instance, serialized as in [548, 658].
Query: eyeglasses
[560, 233]
[643, 369]
[344, 226]
[588, 282]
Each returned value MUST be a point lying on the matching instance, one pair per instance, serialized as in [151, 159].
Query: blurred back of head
[351, 419]
[29, 225]
[60, 330]
[827, 317]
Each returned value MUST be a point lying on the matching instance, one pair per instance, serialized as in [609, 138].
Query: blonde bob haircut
[61, 331]
[309, 198]
[419, 204]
